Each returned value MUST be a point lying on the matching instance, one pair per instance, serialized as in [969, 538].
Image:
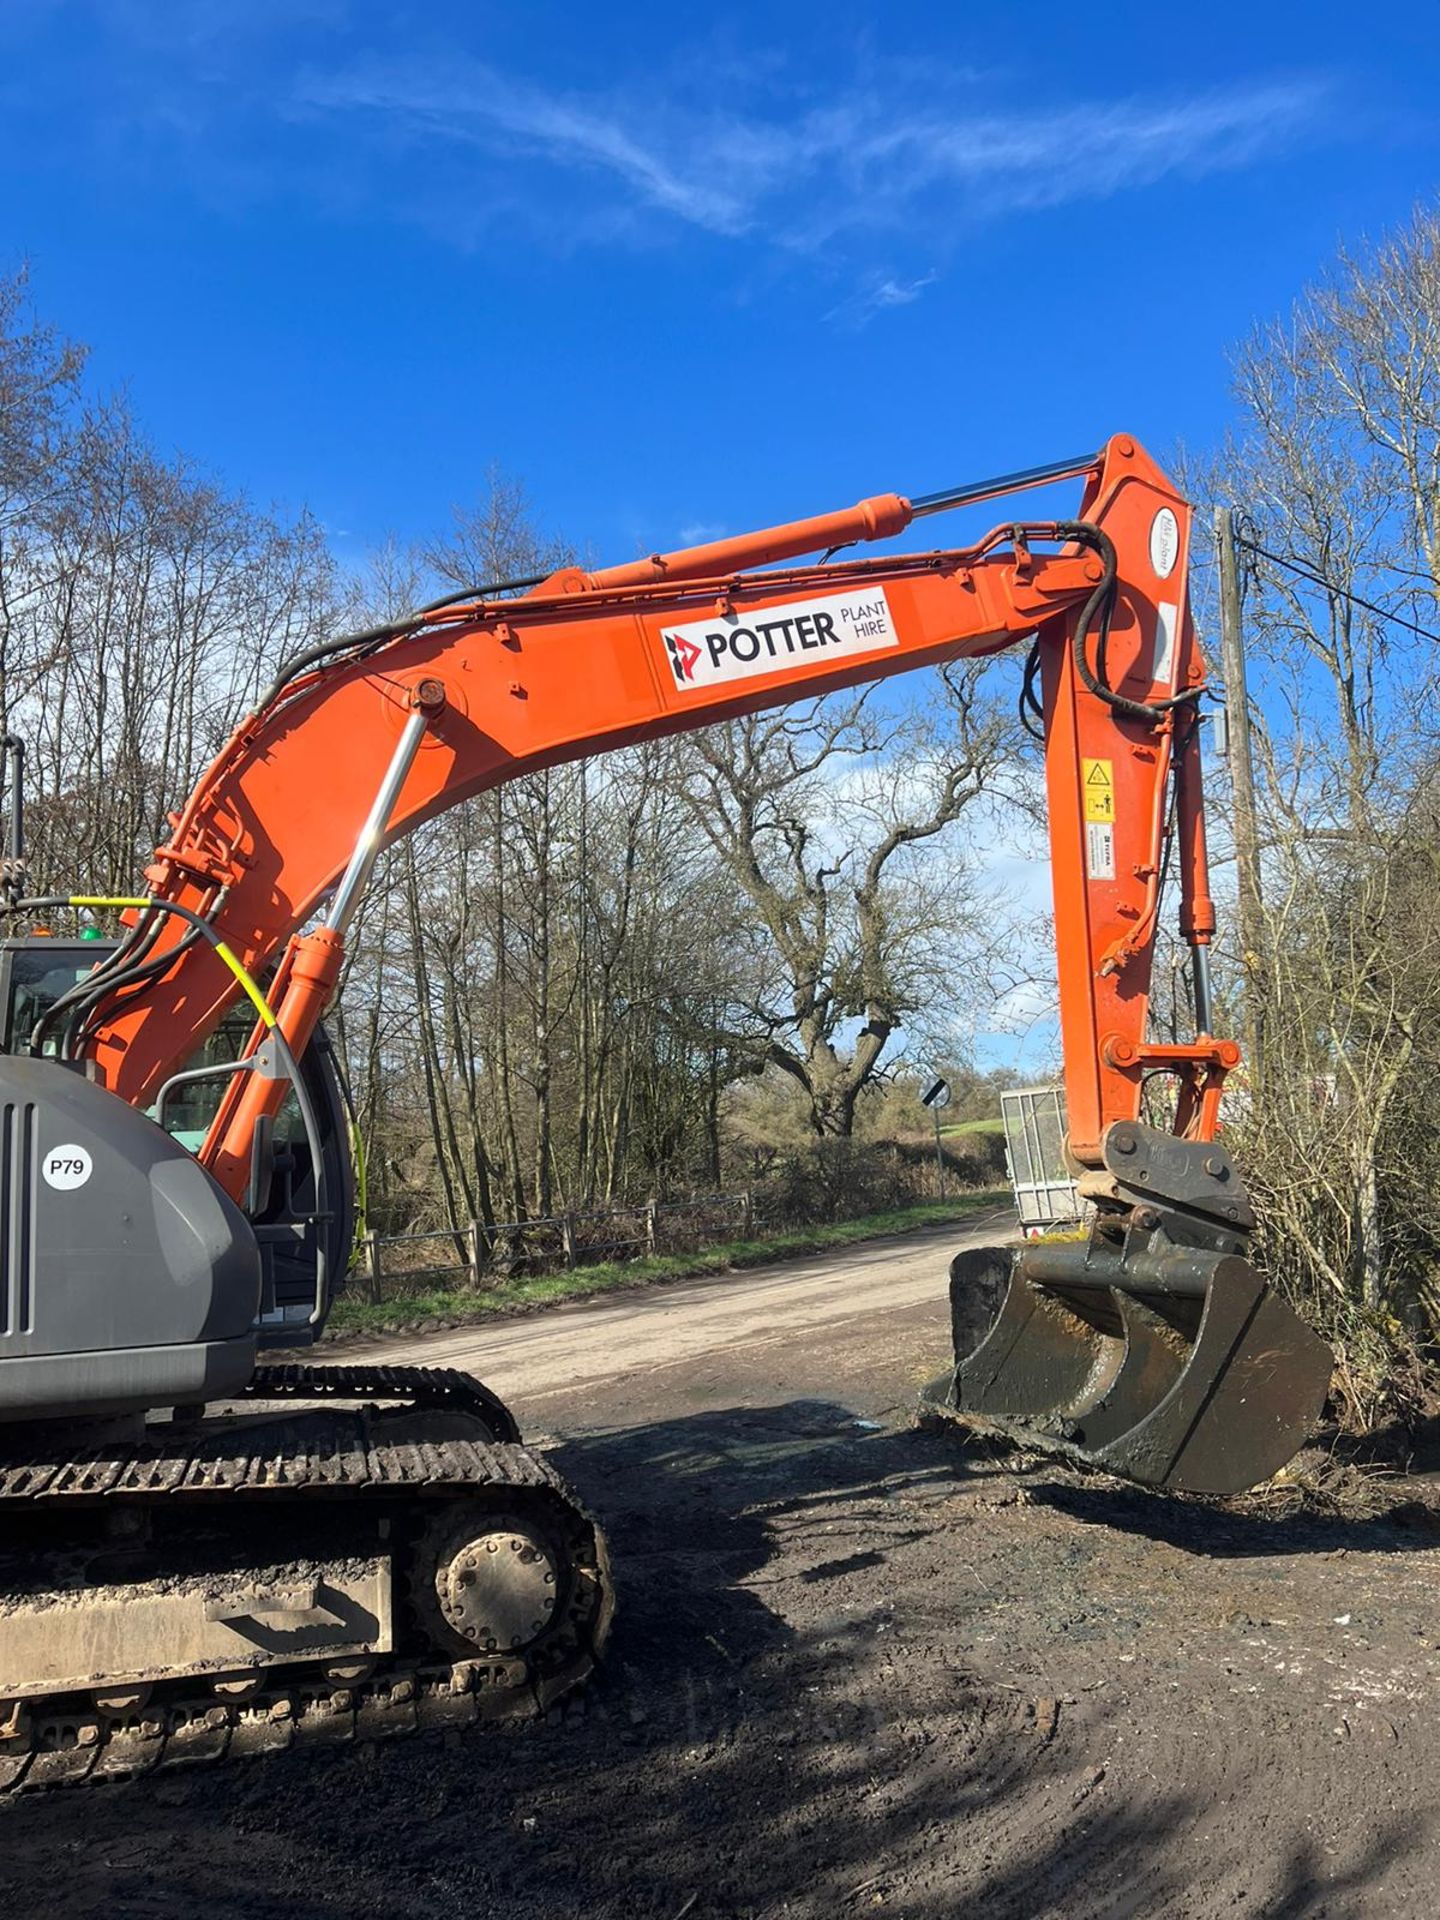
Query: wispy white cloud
[805, 171]
[870, 182]
[877, 293]
[515, 121]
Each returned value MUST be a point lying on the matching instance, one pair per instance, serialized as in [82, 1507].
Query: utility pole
[1242, 782]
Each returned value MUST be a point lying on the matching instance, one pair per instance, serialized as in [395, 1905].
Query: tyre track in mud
[857, 1669]
[1045, 1714]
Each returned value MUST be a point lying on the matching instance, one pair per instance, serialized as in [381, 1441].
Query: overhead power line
[1329, 586]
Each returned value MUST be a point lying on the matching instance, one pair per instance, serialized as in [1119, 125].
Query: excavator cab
[298, 1236]
[35, 970]
[305, 1227]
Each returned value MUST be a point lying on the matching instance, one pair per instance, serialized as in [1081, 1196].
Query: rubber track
[172, 1460]
[324, 1454]
[78, 1748]
[443, 1388]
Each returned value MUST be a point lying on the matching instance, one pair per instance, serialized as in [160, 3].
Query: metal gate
[1045, 1192]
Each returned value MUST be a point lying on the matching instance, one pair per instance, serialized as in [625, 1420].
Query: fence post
[651, 1210]
[477, 1252]
[747, 1212]
[567, 1238]
[372, 1266]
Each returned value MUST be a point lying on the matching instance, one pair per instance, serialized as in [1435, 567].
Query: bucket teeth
[1177, 1369]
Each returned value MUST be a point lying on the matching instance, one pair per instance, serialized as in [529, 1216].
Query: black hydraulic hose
[98, 1007]
[198, 928]
[69, 1008]
[299, 663]
[77, 1009]
[1102, 603]
[1032, 708]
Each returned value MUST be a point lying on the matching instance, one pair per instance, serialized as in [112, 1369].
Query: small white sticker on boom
[66, 1167]
[735, 646]
[1099, 850]
[1164, 543]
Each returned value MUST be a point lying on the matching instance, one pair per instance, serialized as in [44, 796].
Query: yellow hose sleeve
[120, 901]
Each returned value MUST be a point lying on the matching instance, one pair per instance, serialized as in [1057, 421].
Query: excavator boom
[588, 662]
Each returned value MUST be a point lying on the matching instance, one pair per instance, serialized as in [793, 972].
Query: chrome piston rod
[1204, 994]
[356, 876]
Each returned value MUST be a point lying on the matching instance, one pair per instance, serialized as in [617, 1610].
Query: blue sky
[684, 271]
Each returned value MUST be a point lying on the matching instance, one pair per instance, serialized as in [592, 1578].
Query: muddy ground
[861, 1668]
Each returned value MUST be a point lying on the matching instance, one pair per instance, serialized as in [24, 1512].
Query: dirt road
[858, 1669]
[597, 1345]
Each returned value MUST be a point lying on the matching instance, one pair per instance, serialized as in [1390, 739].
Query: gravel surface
[862, 1668]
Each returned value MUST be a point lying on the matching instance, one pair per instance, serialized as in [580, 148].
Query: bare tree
[39, 389]
[157, 604]
[1336, 461]
[813, 812]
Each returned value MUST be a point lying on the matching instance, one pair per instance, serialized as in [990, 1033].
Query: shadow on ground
[787, 1725]
[1234, 1530]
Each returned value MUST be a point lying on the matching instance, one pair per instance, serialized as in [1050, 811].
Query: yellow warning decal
[1097, 777]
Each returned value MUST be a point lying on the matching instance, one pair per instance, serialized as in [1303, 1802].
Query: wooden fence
[396, 1263]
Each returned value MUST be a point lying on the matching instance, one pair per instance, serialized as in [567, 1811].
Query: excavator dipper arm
[587, 662]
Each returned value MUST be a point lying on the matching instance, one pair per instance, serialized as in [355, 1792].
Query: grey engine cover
[128, 1279]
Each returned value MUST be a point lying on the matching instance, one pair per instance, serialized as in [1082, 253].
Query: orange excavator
[205, 1555]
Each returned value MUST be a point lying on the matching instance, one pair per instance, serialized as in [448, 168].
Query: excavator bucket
[1178, 1368]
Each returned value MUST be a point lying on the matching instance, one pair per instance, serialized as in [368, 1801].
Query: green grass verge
[973, 1126]
[352, 1315]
